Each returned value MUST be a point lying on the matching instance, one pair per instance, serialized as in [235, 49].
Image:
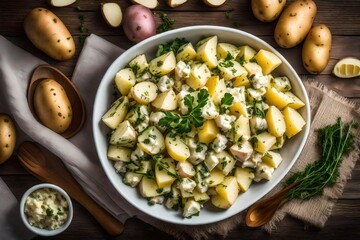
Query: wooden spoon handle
[47, 167]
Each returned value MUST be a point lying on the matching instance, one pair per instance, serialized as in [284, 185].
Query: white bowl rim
[226, 214]
[45, 232]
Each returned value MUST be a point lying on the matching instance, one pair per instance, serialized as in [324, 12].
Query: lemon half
[347, 68]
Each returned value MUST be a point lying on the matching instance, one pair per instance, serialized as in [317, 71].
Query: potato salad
[200, 122]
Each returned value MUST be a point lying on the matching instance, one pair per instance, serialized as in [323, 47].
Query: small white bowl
[45, 232]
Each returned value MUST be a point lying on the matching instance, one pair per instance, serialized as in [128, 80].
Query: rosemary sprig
[335, 141]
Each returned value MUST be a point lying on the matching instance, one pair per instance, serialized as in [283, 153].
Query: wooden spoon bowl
[79, 114]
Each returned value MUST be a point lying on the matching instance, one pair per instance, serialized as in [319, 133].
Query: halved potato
[147, 3]
[214, 3]
[112, 13]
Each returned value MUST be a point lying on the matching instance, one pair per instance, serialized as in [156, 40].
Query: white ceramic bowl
[44, 232]
[209, 214]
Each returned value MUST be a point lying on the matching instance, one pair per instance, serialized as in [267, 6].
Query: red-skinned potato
[138, 23]
[316, 49]
[49, 34]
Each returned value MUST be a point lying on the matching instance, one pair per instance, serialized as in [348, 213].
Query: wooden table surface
[342, 17]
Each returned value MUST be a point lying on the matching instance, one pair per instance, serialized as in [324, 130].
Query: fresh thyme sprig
[184, 123]
[335, 141]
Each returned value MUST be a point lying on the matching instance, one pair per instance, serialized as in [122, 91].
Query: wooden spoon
[47, 167]
[46, 71]
[263, 211]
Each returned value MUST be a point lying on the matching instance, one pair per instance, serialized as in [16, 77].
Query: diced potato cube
[294, 101]
[239, 109]
[294, 122]
[166, 101]
[241, 129]
[228, 189]
[165, 172]
[227, 50]
[220, 202]
[144, 92]
[176, 148]
[281, 84]
[217, 87]
[199, 75]
[231, 69]
[124, 135]
[186, 53]
[139, 64]
[275, 121]
[206, 51]
[263, 142]
[226, 162]
[151, 141]
[276, 98]
[267, 60]
[163, 64]
[244, 178]
[117, 112]
[252, 68]
[271, 158]
[125, 80]
[201, 197]
[208, 131]
[216, 177]
[149, 188]
[246, 53]
[242, 80]
[117, 153]
[132, 179]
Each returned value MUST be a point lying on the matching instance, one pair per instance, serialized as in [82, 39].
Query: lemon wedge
[347, 68]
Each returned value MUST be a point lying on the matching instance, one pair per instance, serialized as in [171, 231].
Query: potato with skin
[7, 137]
[138, 23]
[316, 49]
[295, 23]
[52, 105]
[49, 34]
[267, 10]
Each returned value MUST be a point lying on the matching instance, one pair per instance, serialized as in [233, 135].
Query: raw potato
[112, 14]
[48, 33]
[138, 23]
[61, 3]
[214, 3]
[267, 10]
[316, 49]
[175, 3]
[147, 3]
[7, 137]
[295, 23]
[347, 68]
[52, 105]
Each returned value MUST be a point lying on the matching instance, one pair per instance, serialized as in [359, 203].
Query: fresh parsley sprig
[167, 23]
[226, 102]
[184, 123]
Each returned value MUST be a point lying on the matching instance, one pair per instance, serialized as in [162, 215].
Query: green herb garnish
[167, 23]
[171, 46]
[226, 102]
[335, 141]
[184, 123]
